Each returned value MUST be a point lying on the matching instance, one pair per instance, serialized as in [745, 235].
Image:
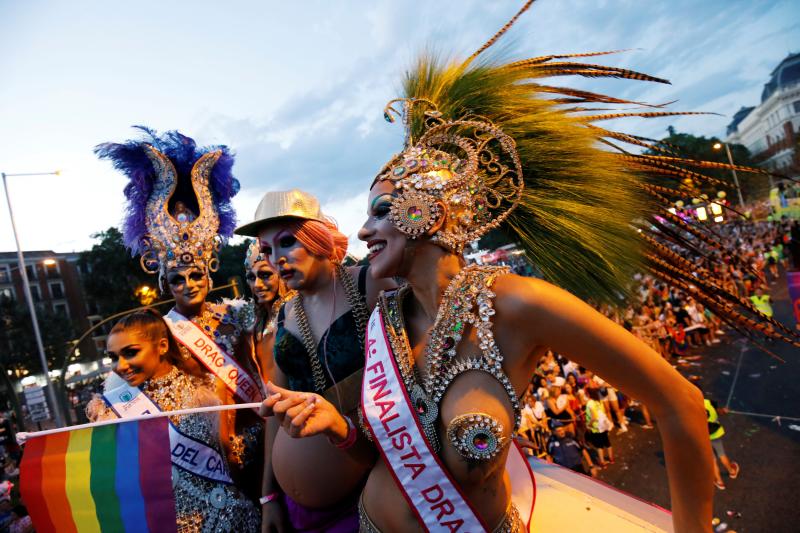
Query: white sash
[426, 484]
[214, 358]
[186, 453]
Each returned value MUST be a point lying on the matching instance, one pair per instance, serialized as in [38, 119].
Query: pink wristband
[268, 498]
[352, 434]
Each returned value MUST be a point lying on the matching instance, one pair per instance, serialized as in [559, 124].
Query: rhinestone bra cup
[467, 301]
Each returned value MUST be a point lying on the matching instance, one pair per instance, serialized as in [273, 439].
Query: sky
[297, 89]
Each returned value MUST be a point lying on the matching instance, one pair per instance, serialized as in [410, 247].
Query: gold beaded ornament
[468, 166]
[181, 238]
[253, 255]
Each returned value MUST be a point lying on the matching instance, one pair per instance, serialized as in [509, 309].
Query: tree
[110, 275]
[231, 264]
[754, 186]
[18, 350]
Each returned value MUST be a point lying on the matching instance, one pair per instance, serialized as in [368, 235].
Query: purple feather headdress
[165, 169]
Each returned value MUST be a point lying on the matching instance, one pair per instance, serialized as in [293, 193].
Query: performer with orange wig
[319, 347]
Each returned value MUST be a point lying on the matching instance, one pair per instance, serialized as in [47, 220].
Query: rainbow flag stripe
[114, 478]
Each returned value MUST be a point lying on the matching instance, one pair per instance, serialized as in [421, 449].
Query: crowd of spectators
[570, 414]
[13, 516]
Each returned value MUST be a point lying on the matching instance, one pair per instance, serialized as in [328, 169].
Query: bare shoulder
[520, 295]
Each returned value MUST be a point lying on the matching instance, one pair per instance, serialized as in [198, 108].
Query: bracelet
[352, 434]
[272, 496]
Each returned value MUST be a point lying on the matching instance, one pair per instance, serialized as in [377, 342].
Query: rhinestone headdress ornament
[469, 166]
[253, 255]
[178, 211]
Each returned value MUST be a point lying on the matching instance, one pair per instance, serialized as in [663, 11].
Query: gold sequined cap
[279, 204]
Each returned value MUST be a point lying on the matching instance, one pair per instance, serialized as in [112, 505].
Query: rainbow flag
[108, 478]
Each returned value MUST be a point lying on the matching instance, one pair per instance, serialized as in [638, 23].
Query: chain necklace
[359, 309]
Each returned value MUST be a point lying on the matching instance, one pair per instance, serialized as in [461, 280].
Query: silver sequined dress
[201, 505]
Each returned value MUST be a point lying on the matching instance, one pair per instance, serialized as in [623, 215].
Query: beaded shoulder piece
[213, 317]
[467, 300]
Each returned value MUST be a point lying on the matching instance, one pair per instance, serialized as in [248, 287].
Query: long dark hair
[150, 322]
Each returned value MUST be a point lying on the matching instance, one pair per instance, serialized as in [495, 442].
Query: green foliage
[231, 265]
[754, 186]
[19, 350]
[110, 275]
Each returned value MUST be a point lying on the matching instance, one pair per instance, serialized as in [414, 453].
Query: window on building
[5, 274]
[796, 106]
[52, 270]
[35, 293]
[31, 271]
[7, 293]
[57, 290]
[61, 309]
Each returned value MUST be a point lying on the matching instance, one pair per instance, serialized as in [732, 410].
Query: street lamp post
[719, 145]
[29, 298]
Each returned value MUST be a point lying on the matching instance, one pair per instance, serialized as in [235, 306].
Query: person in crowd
[568, 452]
[145, 356]
[575, 405]
[558, 407]
[20, 520]
[598, 427]
[716, 433]
[533, 429]
[762, 301]
[611, 404]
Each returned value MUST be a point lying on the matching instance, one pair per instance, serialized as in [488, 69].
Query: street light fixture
[718, 146]
[146, 294]
[29, 297]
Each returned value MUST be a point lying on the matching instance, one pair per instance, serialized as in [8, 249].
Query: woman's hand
[304, 414]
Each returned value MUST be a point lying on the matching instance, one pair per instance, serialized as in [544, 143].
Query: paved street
[764, 496]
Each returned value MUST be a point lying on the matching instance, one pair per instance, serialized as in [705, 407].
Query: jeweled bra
[467, 300]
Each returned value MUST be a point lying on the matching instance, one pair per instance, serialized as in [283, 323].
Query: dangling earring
[414, 213]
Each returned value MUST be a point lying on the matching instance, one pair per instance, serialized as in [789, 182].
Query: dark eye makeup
[286, 241]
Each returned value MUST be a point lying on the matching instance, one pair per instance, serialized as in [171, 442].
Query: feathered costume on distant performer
[178, 214]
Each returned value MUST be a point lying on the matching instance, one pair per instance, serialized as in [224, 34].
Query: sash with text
[427, 486]
[185, 452]
[214, 358]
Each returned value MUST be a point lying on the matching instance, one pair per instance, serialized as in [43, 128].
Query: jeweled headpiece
[253, 255]
[470, 166]
[178, 210]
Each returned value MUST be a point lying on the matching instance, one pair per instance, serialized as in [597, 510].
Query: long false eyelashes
[378, 201]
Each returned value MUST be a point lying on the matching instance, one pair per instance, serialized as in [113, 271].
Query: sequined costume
[178, 214]
[229, 324]
[466, 304]
[201, 505]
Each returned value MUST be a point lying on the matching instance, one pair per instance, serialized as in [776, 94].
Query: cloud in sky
[297, 90]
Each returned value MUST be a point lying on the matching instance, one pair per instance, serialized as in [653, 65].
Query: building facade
[770, 129]
[56, 286]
